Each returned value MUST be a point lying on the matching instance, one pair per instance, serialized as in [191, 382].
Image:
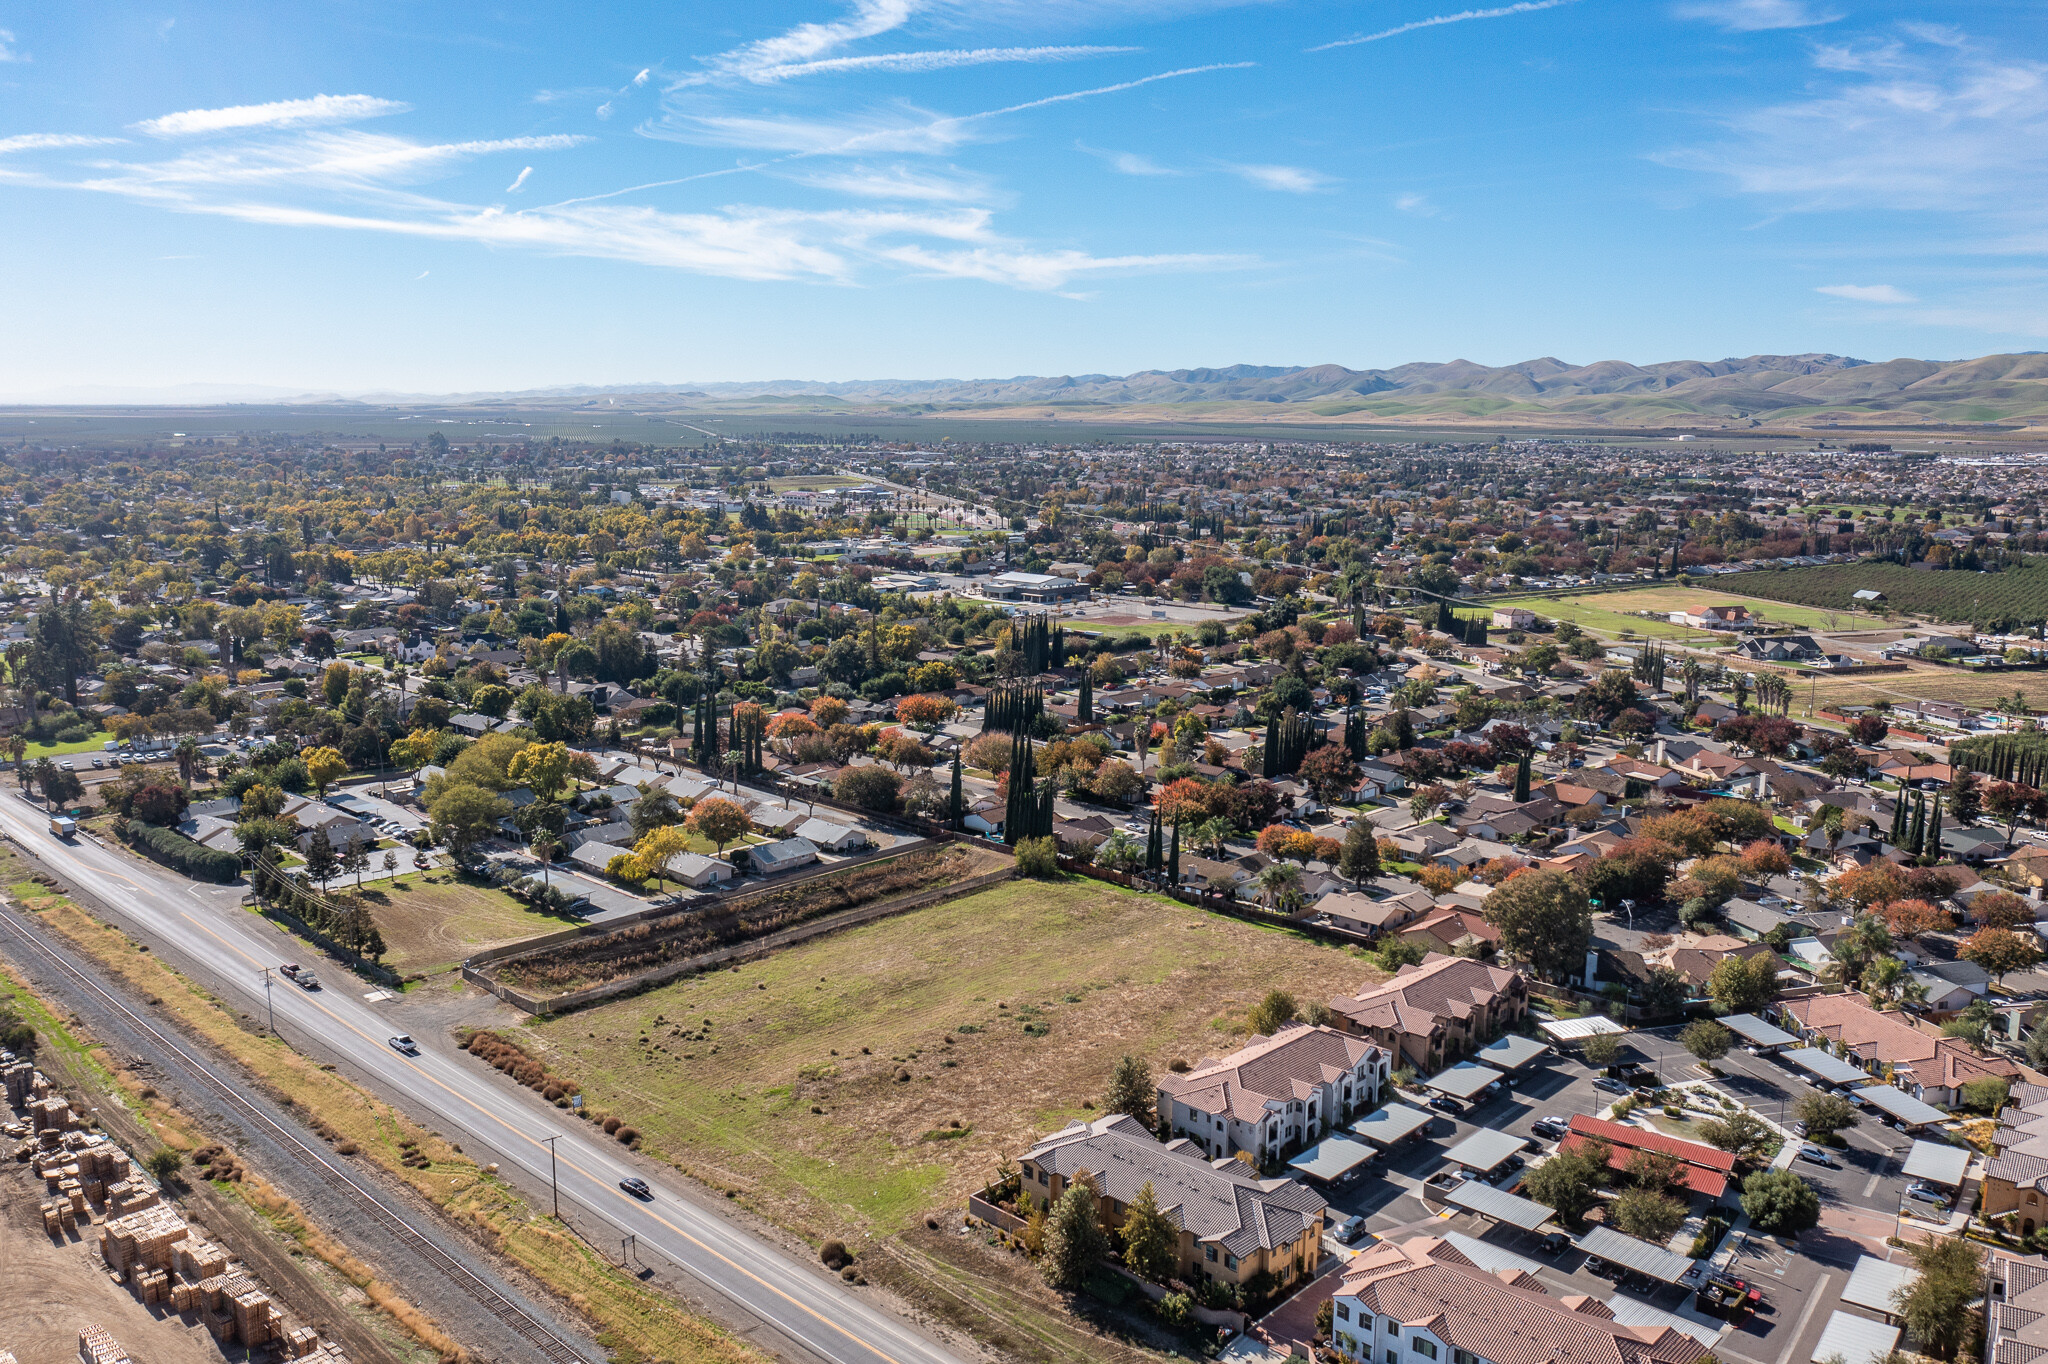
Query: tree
[1601, 1050]
[1649, 1216]
[1707, 1039]
[1743, 985]
[164, 1163]
[1869, 938]
[925, 712]
[1987, 1095]
[1570, 1180]
[871, 787]
[1742, 1134]
[1544, 918]
[719, 820]
[1360, 860]
[658, 846]
[1825, 1114]
[1780, 1203]
[2000, 950]
[1038, 858]
[1131, 1089]
[324, 766]
[544, 768]
[321, 861]
[1329, 773]
[652, 808]
[355, 859]
[1936, 1307]
[1272, 1013]
[1966, 797]
[2002, 909]
[1150, 1237]
[2009, 803]
[1074, 1242]
[463, 815]
[1659, 1172]
[1663, 992]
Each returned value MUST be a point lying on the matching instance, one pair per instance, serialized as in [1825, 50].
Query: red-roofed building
[1707, 1170]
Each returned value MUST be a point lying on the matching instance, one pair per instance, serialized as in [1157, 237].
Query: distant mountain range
[1809, 391]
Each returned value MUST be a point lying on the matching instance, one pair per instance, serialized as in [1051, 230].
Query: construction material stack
[141, 1240]
[97, 1346]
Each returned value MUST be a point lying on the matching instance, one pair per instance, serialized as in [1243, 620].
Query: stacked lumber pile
[141, 1239]
[97, 1346]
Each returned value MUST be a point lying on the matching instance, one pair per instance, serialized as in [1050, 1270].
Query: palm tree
[188, 759]
[1279, 882]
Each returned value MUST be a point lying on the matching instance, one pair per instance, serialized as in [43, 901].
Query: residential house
[1697, 961]
[787, 854]
[834, 838]
[1785, 649]
[1423, 1301]
[1889, 1044]
[1513, 618]
[1729, 617]
[1436, 1012]
[2016, 1176]
[1234, 1226]
[1951, 985]
[1274, 1095]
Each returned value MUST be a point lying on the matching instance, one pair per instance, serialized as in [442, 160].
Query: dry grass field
[431, 922]
[852, 1083]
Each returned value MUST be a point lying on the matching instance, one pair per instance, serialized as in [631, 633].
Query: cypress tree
[1152, 853]
[1916, 831]
[956, 804]
[1084, 709]
[1522, 778]
[1173, 859]
[1897, 835]
[1931, 849]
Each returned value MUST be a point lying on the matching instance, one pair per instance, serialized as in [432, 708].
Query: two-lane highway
[781, 1304]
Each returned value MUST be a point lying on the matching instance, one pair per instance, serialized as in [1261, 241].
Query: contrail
[1525, 7]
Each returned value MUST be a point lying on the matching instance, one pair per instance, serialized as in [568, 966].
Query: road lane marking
[483, 1113]
[1812, 1303]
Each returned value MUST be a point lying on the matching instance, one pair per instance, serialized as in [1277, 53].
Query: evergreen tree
[1173, 859]
[1084, 709]
[1930, 850]
[1522, 778]
[1131, 1089]
[1150, 1237]
[1074, 1241]
[956, 803]
[1360, 859]
[1154, 858]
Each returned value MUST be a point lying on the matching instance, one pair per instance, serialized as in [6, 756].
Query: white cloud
[8, 51]
[1131, 163]
[36, 142]
[1416, 204]
[1291, 179]
[518, 181]
[900, 182]
[927, 61]
[1931, 128]
[1047, 270]
[1463, 16]
[645, 72]
[288, 113]
[806, 42]
[1753, 16]
[326, 160]
[1867, 293]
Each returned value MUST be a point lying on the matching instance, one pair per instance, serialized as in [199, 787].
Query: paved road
[790, 1308]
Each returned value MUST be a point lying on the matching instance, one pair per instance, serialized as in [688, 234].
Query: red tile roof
[1707, 1169]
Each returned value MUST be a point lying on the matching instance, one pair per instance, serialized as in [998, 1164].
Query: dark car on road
[1444, 1104]
[637, 1187]
[1550, 1127]
[1555, 1242]
[1350, 1229]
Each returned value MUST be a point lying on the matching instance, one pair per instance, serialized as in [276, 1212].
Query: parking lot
[1801, 1280]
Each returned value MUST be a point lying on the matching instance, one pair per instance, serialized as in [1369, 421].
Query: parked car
[1818, 1155]
[1550, 1127]
[1350, 1229]
[1555, 1242]
[637, 1187]
[1926, 1193]
[1443, 1103]
[1609, 1085]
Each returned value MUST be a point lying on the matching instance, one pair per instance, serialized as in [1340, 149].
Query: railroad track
[546, 1343]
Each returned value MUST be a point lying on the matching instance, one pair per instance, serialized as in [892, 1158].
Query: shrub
[833, 1253]
[627, 1135]
[611, 1126]
[1036, 858]
[181, 854]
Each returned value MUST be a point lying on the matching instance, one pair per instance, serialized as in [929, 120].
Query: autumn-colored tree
[1911, 918]
[1879, 883]
[1690, 832]
[1329, 772]
[2000, 950]
[1188, 799]
[415, 749]
[1438, 879]
[1764, 858]
[657, 846]
[543, 768]
[926, 712]
[2001, 909]
[324, 766]
[718, 819]
[828, 711]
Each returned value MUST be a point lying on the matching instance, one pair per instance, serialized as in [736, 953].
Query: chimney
[1660, 754]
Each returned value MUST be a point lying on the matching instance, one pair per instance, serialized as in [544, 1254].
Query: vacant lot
[431, 922]
[1989, 600]
[825, 1082]
[1924, 683]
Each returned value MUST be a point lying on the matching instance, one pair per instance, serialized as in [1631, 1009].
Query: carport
[1390, 1124]
[1655, 1262]
[1756, 1033]
[1463, 1081]
[1814, 1061]
[1511, 1052]
[1476, 1195]
[1332, 1160]
[1855, 1340]
[1938, 1163]
[1897, 1103]
[1874, 1282]
[1485, 1151]
[1565, 1030]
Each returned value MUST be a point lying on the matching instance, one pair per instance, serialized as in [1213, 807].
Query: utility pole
[554, 1186]
[627, 1249]
[268, 1006]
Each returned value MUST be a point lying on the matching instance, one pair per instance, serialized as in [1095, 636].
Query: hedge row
[180, 853]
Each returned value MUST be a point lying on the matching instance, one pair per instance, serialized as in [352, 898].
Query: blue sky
[356, 195]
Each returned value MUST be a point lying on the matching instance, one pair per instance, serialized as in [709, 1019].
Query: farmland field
[1608, 612]
[1987, 600]
[825, 1081]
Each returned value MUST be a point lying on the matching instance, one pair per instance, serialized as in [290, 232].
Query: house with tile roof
[2016, 1313]
[1422, 1301]
[1893, 1046]
[1234, 1226]
[1706, 1170]
[1274, 1095]
[2016, 1176]
[1437, 1011]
